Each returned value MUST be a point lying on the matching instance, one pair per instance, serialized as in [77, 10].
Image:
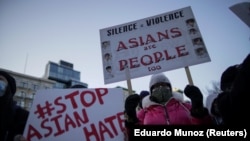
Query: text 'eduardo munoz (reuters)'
[200, 132]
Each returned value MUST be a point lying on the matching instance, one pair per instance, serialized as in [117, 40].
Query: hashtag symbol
[42, 111]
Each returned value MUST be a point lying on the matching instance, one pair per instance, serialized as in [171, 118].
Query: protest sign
[242, 10]
[151, 45]
[76, 114]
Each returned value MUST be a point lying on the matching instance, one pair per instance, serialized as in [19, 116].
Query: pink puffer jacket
[174, 112]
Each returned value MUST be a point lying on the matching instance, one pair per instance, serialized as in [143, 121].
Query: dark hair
[190, 20]
[108, 67]
[107, 54]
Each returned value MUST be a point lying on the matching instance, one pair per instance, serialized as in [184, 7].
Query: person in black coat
[231, 105]
[131, 103]
[236, 112]
[13, 118]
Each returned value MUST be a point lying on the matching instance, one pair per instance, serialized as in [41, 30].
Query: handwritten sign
[76, 114]
[151, 45]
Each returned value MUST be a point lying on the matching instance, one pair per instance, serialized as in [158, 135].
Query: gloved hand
[195, 95]
[131, 103]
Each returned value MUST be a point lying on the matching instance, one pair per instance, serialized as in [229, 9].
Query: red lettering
[71, 97]
[176, 31]
[146, 60]
[180, 51]
[121, 46]
[58, 127]
[58, 103]
[157, 37]
[141, 41]
[46, 127]
[83, 99]
[168, 57]
[110, 120]
[92, 132]
[68, 121]
[103, 129]
[158, 56]
[107, 127]
[123, 64]
[121, 120]
[100, 92]
[162, 36]
[150, 39]
[134, 62]
[133, 43]
[84, 118]
[32, 132]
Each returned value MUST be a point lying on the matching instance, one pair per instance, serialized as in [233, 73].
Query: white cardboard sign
[76, 115]
[151, 45]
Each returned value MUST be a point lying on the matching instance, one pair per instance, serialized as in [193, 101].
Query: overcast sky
[52, 30]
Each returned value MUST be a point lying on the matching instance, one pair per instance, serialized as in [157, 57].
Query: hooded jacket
[232, 105]
[174, 112]
[13, 118]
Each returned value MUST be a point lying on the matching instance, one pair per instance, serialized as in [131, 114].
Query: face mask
[161, 94]
[3, 86]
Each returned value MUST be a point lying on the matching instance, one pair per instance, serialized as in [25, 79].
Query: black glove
[194, 93]
[131, 103]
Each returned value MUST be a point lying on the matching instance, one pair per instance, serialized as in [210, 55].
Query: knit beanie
[158, 78]
[143, 94]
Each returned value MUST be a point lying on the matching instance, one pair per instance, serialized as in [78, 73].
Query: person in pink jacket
[163, 107]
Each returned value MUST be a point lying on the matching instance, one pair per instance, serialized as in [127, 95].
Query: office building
[27, 86]
[64, 74]
[56, 75]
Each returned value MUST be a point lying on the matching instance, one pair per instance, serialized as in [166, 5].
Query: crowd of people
[158, 105]
[162, 107]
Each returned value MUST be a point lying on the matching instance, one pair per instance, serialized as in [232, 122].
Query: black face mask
[3, 87]
[161, 94]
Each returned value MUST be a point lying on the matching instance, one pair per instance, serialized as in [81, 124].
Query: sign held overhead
[151, 45]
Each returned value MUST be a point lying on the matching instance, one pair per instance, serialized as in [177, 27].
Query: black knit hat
[11, 81]
[228, 77]
[143, 93]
